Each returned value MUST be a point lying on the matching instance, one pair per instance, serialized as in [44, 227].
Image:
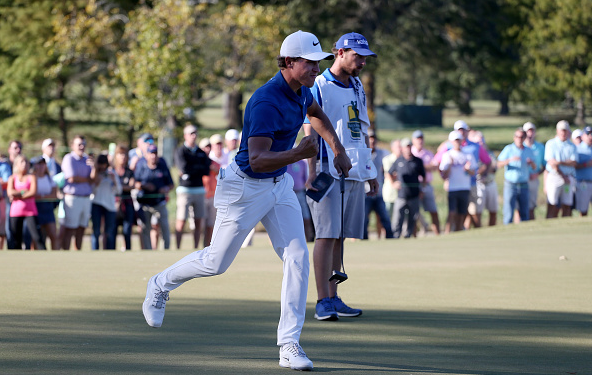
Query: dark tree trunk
[464, 101]
[581, 113]
[233, 111]
[62, 124]
[504, 103]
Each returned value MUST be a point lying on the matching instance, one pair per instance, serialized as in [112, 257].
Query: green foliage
[557, 49]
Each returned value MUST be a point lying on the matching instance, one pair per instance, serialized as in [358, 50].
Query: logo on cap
[315, 44]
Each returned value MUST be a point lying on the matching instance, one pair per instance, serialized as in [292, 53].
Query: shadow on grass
[238, 337]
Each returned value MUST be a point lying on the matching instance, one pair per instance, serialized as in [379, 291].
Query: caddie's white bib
[346, 108]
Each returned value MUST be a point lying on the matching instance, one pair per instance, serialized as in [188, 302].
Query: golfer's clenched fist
[308, 147]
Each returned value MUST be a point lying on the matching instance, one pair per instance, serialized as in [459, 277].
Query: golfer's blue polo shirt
[274, 111]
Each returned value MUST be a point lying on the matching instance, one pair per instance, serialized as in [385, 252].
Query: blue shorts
[45, 213]
[458, 201]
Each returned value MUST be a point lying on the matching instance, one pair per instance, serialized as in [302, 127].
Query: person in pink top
[21, 191]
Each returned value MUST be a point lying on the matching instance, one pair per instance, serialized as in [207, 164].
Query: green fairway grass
[490, 301]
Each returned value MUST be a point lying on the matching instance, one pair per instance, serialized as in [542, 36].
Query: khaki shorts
[488, 195]
[191, 202]
[583, 196]
[558, 192]
[326, 215]
[77, 211]
[533, 193]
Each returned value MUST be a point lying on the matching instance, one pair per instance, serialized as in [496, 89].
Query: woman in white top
[46, 201]
[106, 187]
[457, 167]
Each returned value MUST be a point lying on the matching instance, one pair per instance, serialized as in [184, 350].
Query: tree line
[158, 62]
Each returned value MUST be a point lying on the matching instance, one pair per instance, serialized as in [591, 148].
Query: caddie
[340, 93]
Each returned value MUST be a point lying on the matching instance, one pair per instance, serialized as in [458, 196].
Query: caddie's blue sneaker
[154, 304]
[292, 356]
[344, 310]
[325, 310]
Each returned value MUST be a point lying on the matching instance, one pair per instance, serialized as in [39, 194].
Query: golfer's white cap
[454, 135]
[305, 45]
[563, 125]
[527, 126]
[576, 133]
[460, 124]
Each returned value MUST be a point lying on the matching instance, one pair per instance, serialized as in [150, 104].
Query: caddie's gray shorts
[326, 215]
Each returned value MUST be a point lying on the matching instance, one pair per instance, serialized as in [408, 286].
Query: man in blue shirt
[516, 158]
[538, 150]
[256, 188]
[561, 157]
[584, 172]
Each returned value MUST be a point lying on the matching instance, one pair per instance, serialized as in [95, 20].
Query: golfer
[256, 188]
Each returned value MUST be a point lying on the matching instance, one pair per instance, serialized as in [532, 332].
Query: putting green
[490, 301]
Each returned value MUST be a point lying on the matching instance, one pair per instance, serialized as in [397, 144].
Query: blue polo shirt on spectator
[516, 172]
[561, 151]
[538, 150]
[279, 113]
[584, 155]
[159, 177]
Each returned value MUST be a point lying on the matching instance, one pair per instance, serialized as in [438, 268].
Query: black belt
[242, 174]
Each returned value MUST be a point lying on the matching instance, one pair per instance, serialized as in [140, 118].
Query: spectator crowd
[47, 204]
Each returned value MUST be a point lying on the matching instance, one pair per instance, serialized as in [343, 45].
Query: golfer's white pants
[241, 203]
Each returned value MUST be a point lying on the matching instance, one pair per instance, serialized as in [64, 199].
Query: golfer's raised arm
[322, 125]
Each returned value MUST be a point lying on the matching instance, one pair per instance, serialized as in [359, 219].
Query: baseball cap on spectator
[355, 41]
[47, 142]
[460, 124]
[588, 130]
[189, 129]
[417, 134]
[405, 142]
[563, 125]
[454, 135]
[527, 126]
[152, 149]
[216, 138]
[37, 159]
[305, 45]
[204, 143]
[145, 137]
[371, 133]
[231, 135]
[576, 133]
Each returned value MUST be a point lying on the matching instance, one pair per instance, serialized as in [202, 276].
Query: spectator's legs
[164, 224]
[382, 213]
[31, 223]
[96, 217]
[523, 202]
[16, 227]
[147, 244]
[110, 229]
[179, 224]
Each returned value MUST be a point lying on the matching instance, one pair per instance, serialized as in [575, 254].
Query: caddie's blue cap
[355, 41]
